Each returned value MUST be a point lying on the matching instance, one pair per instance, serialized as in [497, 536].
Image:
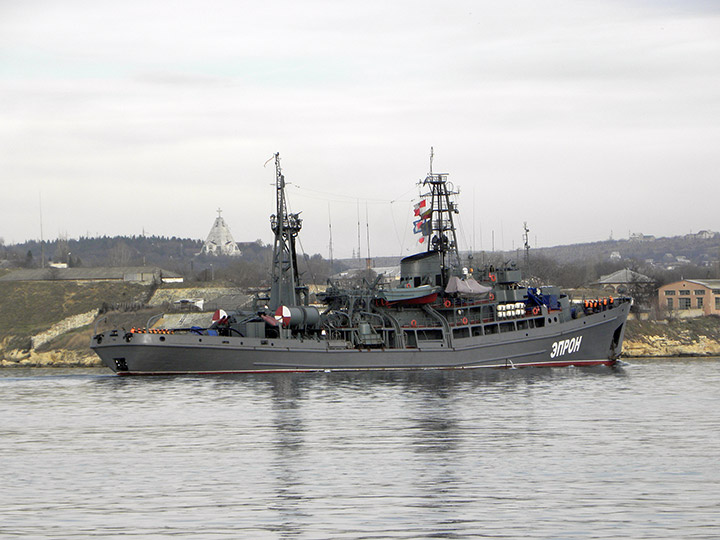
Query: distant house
[622, 281]
[640, 237]
[703, 235]
[134, 274]
[691, 297]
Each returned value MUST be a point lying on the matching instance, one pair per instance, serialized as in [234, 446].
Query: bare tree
[642, 289]
[62, 250]
[120, 254]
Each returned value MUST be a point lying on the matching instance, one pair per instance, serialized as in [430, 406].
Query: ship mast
[285, 282]
[442, 237]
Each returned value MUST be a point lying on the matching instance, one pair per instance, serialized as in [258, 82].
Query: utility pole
[359, 251]
[42, 241]
[368, 261]
[330, 245]
[527, 246]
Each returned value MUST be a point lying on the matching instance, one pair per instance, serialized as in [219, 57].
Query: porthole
[162, 338]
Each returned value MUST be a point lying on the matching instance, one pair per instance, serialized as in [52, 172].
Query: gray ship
[443, 315]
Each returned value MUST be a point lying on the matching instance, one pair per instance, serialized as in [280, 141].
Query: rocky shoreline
[56, 358]
[697, 337]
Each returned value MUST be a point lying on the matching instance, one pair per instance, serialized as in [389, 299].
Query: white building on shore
[220, 241]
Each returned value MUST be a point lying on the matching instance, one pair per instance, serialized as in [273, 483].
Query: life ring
[535, 310]
[413, 323]
[407, 285]
[492, 277]
[447, 303]
[491, 296]
[464, 320]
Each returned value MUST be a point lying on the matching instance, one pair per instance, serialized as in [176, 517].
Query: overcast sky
[583, 118]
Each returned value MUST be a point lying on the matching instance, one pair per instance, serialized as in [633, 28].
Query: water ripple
[536, 453]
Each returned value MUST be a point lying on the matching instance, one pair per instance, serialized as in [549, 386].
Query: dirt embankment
[51, 323]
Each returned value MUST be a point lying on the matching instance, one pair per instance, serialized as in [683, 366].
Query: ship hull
[590, 340]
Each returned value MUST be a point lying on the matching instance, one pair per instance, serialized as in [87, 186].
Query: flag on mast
[425, 230]
[423, 225]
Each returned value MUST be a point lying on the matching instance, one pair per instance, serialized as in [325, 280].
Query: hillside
[664, 259]
[663, 251]
[179, 255]
[28, 309]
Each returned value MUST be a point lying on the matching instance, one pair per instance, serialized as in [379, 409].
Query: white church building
[220, 240]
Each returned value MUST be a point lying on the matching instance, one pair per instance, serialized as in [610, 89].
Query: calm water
[535, 453]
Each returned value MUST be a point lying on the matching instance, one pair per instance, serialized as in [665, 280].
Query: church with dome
[220, 240]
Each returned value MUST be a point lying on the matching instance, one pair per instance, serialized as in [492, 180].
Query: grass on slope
[27, 308]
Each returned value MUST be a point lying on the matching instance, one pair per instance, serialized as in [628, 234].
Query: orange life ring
[491, 296]
[464, 320]
[492, 277]
[535, 310]
[447, 303]
[407, 285]
[413, 323]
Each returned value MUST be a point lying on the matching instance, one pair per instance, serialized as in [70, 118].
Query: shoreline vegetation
[686, 338]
